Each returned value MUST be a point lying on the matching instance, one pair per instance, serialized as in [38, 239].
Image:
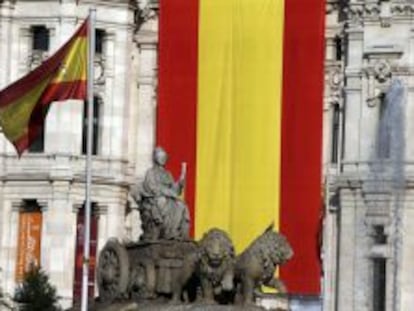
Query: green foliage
[36, 293]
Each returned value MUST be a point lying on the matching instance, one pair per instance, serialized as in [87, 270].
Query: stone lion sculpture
[212, 265]
[257, 264]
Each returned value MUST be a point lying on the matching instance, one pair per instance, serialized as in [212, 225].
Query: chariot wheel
[113, 271]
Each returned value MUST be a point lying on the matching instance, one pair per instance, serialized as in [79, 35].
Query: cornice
[383, 12]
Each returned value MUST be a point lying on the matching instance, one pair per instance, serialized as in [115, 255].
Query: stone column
[147, 41]
[102, 211]
[409, 125]
[330, 254]
[25, 49]
[6, 16]
[133, 229]
[58, 241]
[370, 107]
[406, 281]
[4, 212]
[116, 219]
[63, 120]
[10, 244]
[353, 98]
[65, 129]
[347, 245]
[327, 135]
[362, 275]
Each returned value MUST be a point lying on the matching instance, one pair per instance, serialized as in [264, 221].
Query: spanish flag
[25, 103]
[240, 100]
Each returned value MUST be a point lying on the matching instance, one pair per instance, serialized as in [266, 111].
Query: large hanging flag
[240, 100]
[25, 103]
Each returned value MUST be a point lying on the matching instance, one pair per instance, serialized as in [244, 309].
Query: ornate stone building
[368, 245]
[42, 193]
[368, 156]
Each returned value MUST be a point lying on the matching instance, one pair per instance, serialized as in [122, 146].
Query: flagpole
[88, 169]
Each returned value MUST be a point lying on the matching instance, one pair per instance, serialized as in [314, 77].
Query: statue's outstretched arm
[180, 183]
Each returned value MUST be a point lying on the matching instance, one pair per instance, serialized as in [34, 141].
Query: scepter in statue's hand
[183, 174]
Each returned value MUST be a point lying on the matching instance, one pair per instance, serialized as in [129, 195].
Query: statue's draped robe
[161, 195]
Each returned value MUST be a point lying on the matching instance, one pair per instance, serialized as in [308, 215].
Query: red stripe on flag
[302, 140]
[177, 91]
[58, 91]
[26, 140]
[64, 90]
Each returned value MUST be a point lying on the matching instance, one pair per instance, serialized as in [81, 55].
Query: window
[80, 224]
[379, 283]
[379, 266]
[99, 41]
[39, 144]
[95, 124]
[338, 48]
[40, 35]
[335, 134]
[379, 235]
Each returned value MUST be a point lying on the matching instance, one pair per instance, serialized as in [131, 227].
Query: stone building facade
[42, 193]
[368, 156]
[368, 237]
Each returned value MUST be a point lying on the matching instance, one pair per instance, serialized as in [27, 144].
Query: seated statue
[164, 214]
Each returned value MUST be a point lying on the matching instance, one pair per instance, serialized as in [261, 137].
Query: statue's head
[160, 156]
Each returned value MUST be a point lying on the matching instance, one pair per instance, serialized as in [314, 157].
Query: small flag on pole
[25, 103]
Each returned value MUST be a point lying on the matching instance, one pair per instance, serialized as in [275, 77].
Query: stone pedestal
[132, 306]
[269, 302]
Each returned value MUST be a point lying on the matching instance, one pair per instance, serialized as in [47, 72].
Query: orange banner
[28, 252]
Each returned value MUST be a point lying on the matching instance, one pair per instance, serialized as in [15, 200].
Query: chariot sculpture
[167, 264]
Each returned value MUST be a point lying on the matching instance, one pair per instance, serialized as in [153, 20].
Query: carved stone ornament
[383, 11]
[354, 13]
[335, 83]
[147, 10]
[331, 5]
[335, 78]
[206, 272]
[402, 9]
[372, 10]
[382, 71]
[376, 99]
[36, 58]
[99, 70]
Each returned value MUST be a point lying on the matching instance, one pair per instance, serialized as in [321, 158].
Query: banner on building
[29, 243]
[79, 255]
[240, 100]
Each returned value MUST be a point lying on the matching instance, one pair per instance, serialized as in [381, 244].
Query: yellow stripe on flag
[213, 179]
[238, 121]
[74, 64]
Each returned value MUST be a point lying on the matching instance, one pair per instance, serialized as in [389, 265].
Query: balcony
[40, 167]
